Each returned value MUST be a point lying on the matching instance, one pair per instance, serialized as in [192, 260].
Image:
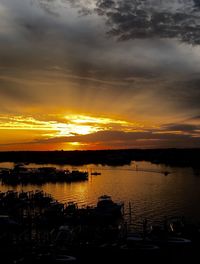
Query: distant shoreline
[170, 157]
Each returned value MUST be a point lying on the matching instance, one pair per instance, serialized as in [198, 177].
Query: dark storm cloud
[74, 63]
[185, 92]
[182, 127]
[154, 57]
[132, 19]
[53, 40]
[36, 31]
[197, 3]
[195, 118]
[9, 89]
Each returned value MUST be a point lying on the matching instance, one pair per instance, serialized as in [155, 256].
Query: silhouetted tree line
[172, 157]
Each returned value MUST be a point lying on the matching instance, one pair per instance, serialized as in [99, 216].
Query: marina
[151, 195]
[52, 232]
[104, 216]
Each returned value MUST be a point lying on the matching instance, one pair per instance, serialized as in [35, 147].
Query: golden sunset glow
[76, 132]
[71, 127]
[81, 119]
[80, 75]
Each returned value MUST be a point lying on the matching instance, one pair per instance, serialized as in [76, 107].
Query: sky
[99, 74]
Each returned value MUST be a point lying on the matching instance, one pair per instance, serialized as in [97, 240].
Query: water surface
[152, 194]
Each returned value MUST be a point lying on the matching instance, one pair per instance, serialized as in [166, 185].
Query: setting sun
[59, 131]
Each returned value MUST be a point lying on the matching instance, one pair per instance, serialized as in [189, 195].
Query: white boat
[135, 237]
[65, 259]
[105, 205]
[178, 241]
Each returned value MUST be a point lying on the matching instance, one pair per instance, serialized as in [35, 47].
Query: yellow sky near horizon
[26, 132]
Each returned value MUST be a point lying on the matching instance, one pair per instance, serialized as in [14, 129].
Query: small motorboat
[142, 245]
[95, 173]
[51, 258]
[166, 173]
[164, 237]
[136, 241]
[135, 238]
[65, 259]
[178, 241]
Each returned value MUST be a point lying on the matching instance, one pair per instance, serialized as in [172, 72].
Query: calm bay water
[152, 194]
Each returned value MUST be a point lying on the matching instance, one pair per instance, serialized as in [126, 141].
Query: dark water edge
[169, 157]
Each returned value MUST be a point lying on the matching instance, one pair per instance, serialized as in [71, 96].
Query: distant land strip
[171, 157]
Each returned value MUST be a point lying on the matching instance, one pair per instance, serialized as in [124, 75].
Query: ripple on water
[152, 196]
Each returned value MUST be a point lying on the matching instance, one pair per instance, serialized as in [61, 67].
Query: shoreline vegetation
[39, 176]
[169, 157]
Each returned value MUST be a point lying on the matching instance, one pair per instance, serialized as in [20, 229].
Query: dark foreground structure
[172, 157]
[34, 228]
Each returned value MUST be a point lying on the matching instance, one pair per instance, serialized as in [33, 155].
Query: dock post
[130, 216]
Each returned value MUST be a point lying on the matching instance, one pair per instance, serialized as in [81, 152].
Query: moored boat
[95, 173]
[106, 206]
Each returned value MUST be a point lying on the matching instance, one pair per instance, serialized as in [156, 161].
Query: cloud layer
[135, 61]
